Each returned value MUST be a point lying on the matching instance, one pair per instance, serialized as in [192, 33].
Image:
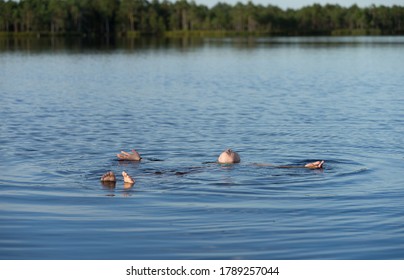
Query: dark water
[67, 109]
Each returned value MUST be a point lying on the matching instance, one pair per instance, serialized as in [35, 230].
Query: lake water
[66, 110]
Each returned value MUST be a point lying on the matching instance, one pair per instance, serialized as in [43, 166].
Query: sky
[295, 4]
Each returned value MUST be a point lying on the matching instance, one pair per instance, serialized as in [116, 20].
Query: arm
[312, 165]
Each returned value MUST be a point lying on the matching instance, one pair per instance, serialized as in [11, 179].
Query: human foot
[108, 177]
[315, 165]
[127, 179]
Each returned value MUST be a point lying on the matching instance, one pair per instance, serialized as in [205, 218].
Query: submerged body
[228, 156]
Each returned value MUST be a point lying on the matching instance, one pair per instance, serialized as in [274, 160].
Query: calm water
[67, 109]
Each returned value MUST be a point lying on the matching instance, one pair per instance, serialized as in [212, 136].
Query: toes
[127, 178]
[108, 177]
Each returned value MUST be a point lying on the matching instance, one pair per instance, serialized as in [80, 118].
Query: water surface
[67, 109]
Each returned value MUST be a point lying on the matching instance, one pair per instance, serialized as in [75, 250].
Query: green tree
[197, 16]
[268, 18]
[355, 18]
[106, 9]
[5, 15]
[398, 19]
[16, 16]
[179, 17]
[130, 11]
[2, 18]
[58, 15]
[76, 10]
[27, 14]
[152, 16]
[220, 17]
[334, 17]
[156, 23]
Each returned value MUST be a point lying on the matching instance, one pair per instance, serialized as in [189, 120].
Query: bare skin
[311, 165]
[110, 177]
[315, 165]
[132, 156]
[228, 157]
[127, 178]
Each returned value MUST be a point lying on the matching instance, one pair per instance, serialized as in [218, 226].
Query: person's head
[228, 156]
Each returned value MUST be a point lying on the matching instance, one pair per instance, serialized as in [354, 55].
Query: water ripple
[287, 104]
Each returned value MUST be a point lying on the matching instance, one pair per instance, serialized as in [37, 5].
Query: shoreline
[201, 34]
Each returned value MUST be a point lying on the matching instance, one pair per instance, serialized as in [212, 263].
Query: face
[229, 156]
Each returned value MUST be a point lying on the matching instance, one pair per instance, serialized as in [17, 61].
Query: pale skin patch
[312, 165]
[132, 156]
[110, 177]
[127, 178]
[315, 165]
[228, 157]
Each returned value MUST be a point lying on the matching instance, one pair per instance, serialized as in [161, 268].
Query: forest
[182, 17]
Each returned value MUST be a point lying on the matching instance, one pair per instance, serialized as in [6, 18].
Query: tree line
[138, 17]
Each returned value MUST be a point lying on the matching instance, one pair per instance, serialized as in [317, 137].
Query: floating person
[228, 156]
